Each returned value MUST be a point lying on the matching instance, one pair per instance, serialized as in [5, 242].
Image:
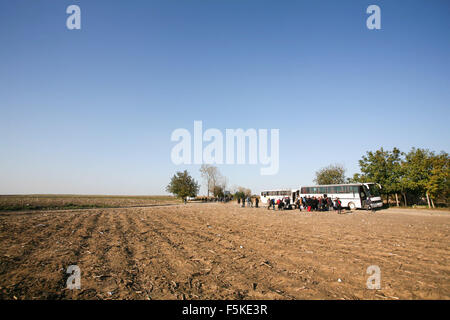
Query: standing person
[329, 203]
[256, 202]
[250, 203]
[281, 205]
[243, 202]
[239, 200]
[273, 204]
[369, 205]
[338, 205]
[269, 203]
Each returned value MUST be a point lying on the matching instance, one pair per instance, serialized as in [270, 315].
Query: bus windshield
[374, 191]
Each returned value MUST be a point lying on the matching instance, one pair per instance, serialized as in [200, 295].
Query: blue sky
[91, 111]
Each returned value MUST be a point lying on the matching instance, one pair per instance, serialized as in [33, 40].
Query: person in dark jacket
[308, 204]
[369, 205]
[287, 203]
[338, 205]
[329, 203]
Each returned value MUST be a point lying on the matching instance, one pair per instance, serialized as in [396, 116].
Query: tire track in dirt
[108, 268]
[166, 261]
[193, 252]
[191, 247]
[287, 273]
[92, 259]
[78, 234]
[180, 282]
[41, 253]
[359, 283]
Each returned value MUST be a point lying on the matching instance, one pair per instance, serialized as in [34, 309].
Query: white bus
[275, 194]
[352, 195]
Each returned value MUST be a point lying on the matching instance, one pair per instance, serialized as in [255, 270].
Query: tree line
[182, 185]
[419, 175]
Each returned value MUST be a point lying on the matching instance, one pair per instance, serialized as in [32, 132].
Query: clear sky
[91, 111]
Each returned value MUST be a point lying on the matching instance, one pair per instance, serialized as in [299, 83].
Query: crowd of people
[306, 203]
[322, 203]
[249, 201]
[213, 199]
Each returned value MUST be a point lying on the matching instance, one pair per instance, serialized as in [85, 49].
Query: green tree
[183, 185]
[427, 174]
[438, 186]
[242, 192]
[416, 172]
[333, 174]
[357, 177]
[420, 172]
[219, 191]
[383, 167]
[239, 195]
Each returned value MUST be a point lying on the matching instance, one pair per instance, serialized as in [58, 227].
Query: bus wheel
[352, 206]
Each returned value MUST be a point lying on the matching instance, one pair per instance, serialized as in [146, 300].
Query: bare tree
[223, 182]
[247, 192]
[211, 175]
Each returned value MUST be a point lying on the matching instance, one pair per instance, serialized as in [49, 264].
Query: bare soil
[221, 251]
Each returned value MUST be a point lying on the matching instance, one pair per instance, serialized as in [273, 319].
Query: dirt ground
[221, 251]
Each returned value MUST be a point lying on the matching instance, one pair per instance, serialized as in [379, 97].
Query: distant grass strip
[69, 202]
[18, 207]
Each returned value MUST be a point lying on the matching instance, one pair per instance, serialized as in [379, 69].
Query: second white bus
[275, 194]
